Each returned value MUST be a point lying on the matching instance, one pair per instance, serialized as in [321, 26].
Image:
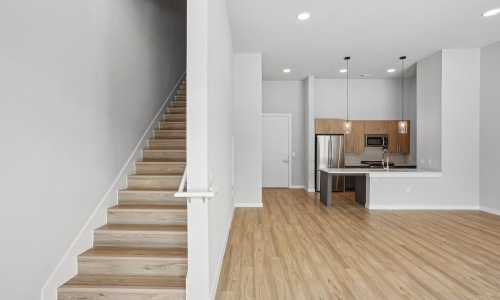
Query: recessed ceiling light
[491, 12]
[304, 16]
[287, 70]
[343, 71]
[391, 70]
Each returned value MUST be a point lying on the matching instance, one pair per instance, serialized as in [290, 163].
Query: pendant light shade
[347, 123]
[402, 125]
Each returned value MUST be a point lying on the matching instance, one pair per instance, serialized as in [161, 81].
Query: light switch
[430, 162]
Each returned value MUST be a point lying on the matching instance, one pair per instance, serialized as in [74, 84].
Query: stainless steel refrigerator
[330, 154]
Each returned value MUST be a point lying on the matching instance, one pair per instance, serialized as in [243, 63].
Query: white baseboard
[249, 205]
[422, 207]
[67, 267]
[311, 190]
[490, 210]
[297, 187]
[221, 256]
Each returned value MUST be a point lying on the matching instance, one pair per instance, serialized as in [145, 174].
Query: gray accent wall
[488, 132]
[80, 81]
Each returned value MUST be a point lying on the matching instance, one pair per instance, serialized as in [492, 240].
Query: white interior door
[275, 152]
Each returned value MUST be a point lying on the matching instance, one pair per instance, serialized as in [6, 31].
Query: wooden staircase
[141, 253]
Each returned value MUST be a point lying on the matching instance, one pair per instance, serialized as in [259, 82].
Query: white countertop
[384, 173]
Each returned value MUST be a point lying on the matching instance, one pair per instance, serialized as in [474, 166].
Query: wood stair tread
[120, 282]
[173, 163]
[137, 253]
[152, 190]
[153, 176]
[146, 207]
[172, 130]
[143, 228]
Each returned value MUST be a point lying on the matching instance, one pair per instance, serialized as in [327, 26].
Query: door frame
[290, 160]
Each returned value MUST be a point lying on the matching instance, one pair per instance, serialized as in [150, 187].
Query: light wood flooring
[296, 248]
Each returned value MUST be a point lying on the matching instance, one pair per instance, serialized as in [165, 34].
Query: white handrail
[181, 193]
[183, 182]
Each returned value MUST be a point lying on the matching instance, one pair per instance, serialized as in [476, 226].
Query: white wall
[309, 137]
[490, 106]
[247, 129]
[79, 82]
[369, 99]
[220, 121]
[209, 127]
[429, 111]
[458, 95]
[288, 97]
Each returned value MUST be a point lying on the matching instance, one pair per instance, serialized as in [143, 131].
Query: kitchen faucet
[383, 153]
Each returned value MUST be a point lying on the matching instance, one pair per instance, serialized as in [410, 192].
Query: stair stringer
[67, 266]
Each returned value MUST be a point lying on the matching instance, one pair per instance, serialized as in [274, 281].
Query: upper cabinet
[355, 142]
[398, 143]
[324, 126]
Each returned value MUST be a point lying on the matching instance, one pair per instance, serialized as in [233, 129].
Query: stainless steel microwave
[376, 140]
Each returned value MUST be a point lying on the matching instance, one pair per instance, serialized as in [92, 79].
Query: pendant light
[402, 125]
[347, 123]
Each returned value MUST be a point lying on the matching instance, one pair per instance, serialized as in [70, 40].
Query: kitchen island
[362, 185]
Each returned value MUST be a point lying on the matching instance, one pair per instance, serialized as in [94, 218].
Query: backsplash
[373, 153]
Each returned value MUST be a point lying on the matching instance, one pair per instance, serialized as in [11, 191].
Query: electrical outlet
[422, 160]
[430, 162]
[293, 153]
[408, 189]
[375, 179]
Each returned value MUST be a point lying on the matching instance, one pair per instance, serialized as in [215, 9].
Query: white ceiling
[375, 33]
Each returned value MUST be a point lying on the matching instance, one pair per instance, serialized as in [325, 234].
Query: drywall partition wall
[410, 113]
[220, 127]
[288, 97]
[198, 278]
[460, 90]
[458, 71]
[247, 129]
[209, 127]
[489, 144]
[309, 133]
[369, 99]
[429, 111]
[80, 81]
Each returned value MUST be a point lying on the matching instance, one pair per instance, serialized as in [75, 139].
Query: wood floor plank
[296, 248]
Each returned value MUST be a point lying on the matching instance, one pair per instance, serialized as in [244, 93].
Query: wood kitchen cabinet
[398, 143]
[325, 126]
[377, 127]
[355, 142]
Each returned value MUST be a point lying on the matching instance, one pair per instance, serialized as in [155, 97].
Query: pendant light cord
[347, 77]
[402, 86]
[347, 74]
